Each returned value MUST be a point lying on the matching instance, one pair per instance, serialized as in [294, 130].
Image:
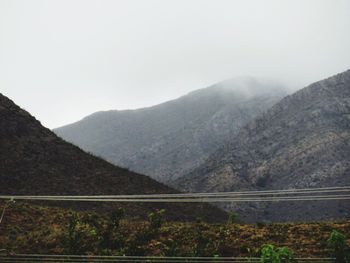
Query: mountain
[34, 161]
[303, 141]
[169, 140]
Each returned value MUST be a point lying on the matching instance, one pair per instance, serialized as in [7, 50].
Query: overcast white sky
[64, 59]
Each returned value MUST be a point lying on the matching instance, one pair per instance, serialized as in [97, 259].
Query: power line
[10, 259]
[85, 258]
[193, 200]
[262, 192]
[136, 257]
[311, 194]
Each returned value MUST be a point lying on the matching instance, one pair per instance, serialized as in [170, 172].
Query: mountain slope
[33, 160]
[303, 141]
[168, 140]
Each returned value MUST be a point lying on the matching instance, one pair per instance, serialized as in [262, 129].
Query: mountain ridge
[167, 140]
[300, 142]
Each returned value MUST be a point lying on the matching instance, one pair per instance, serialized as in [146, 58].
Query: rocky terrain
[34, 161]
[303, 141]
[169, 140]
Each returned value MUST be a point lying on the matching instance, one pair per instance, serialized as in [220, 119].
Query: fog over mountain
[169, 140]
[62, 60]
[301, 142]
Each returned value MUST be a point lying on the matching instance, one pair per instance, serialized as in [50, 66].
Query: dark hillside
[33, 160]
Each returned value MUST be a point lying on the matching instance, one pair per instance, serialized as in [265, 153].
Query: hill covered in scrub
[168, 140]
[301, 142]
[46, 230]
[34, 161]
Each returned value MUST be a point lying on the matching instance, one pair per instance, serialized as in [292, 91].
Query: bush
[111, 236]
[81, 237]
[156, 219]
[232, 218]
[136, 243]
[93, 233]
[269, 254]
[337, 242]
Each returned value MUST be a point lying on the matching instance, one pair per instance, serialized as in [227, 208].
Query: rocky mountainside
[33, 160]
[168, 140]
[303, 141]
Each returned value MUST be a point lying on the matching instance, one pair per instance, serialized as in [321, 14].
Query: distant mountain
[33, 160]
[303, 141]
[169, 140]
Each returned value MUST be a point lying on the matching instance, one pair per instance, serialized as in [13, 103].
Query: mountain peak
[301, 142]
[168, 140]
[245, 86]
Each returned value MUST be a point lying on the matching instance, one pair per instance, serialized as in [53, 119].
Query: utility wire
[249, 193]
[138, 257]
[62, 258]
[283, 192]
[312, 195]
[79, 258]
[215, 200]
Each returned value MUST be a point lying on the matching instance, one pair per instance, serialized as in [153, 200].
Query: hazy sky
[62, 60]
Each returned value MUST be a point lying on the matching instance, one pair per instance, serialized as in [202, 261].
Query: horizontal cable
[187, 200]
[152, 259]
[137, 257]
[249, 193]
[330, 193]
[133, 259]
[124, 260]
[143, 260]
[121, 260]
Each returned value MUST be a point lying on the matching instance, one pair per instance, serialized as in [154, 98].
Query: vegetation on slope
[29, 228]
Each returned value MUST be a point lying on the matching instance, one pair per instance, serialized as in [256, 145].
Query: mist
[62, 60]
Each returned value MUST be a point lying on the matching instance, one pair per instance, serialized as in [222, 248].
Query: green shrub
[285, 255]
[156, 219]
[81, 237]
[111, 236]
[270, 254]
[337, 242]
[71, 238]
[203, 242]
[232, 218]
[137, 241]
